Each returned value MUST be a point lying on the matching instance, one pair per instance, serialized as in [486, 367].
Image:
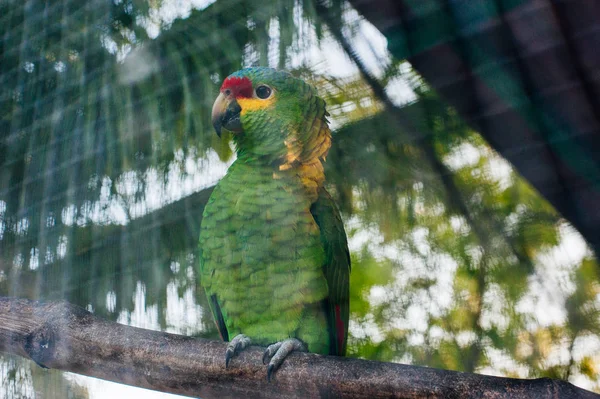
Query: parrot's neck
[301, 155]
[309, 174]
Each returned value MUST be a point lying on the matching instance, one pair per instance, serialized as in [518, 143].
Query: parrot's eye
[263, 92]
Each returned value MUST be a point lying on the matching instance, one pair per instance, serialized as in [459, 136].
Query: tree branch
[66, 337]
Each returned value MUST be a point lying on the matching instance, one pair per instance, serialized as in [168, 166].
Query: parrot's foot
[279, 351]
[237, 344]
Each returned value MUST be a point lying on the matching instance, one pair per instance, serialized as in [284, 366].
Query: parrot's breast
[262, 256]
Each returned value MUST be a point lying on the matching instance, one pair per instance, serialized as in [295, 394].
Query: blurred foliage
[18, 380]
[457, 262]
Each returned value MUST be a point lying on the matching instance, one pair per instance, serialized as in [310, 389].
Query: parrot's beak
[226, 114]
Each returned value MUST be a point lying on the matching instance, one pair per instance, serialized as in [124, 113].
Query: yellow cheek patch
[253, 104]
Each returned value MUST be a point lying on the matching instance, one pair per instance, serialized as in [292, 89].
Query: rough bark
[66, 337]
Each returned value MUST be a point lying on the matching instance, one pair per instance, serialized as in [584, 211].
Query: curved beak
[226, 114]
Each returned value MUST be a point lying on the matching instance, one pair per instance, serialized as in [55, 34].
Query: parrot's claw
[279, 351]
[237, 344]
[270, 351]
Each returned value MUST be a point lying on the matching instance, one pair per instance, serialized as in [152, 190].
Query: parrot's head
[274, 117]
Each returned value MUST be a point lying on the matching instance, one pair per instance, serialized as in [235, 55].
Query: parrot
[273, 253]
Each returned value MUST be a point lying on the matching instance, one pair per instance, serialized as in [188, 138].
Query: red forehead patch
[240, 87]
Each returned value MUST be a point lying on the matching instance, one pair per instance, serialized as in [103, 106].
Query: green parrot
[274, 259]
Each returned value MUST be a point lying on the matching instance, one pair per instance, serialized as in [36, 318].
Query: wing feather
[336, 270]
[219, 320]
